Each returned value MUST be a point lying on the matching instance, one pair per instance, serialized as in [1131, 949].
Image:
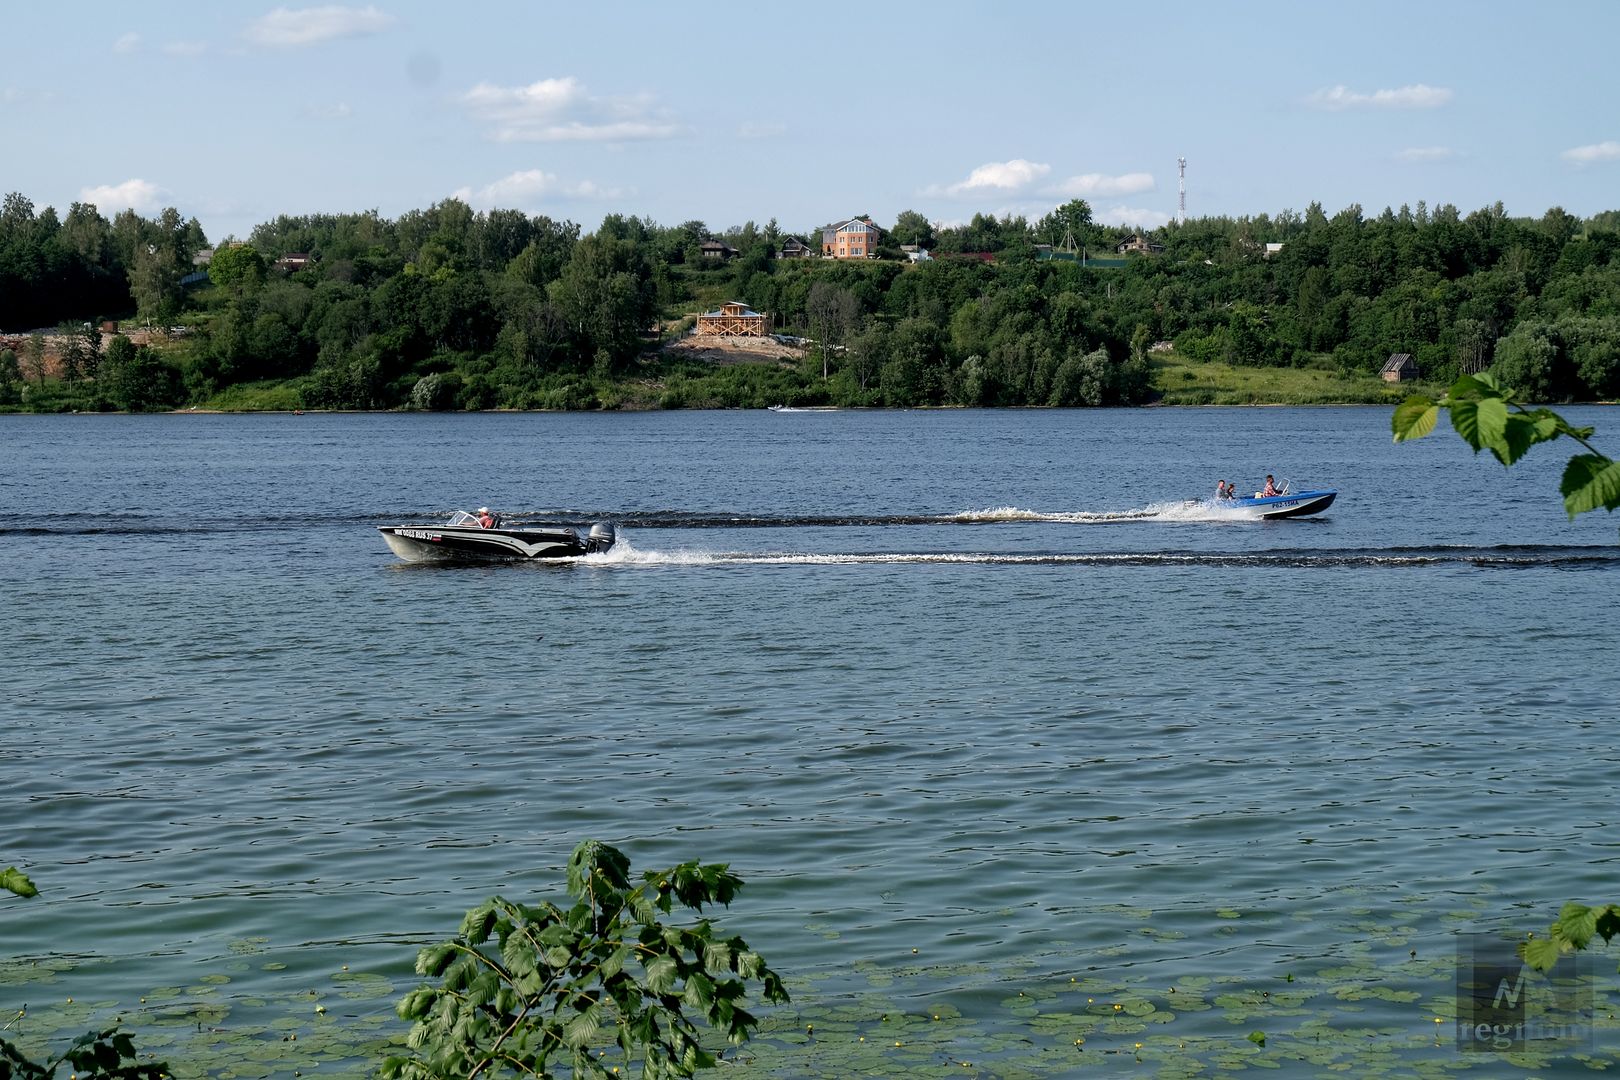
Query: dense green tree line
[57, 269]
[451, 308]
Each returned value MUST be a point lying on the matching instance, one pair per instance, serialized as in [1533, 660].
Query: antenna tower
[1181, 217]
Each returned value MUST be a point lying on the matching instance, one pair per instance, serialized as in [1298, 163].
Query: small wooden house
[1399, 368]
[794, 248]
[733, 319]
[293, 261]
[1139, 244]
[714, 249]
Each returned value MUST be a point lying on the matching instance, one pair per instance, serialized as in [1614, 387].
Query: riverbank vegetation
[448, 308]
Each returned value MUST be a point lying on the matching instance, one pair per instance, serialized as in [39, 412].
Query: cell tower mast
[1181, 217]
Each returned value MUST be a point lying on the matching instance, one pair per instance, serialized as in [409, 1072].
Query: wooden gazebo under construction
[734, 319]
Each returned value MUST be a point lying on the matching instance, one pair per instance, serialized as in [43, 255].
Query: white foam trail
[1185, 510]
[967, 558]
[625, 553]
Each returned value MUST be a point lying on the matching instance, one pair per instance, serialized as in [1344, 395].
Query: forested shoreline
[451, 308]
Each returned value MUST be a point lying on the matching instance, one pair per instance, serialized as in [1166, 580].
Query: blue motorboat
[1288, 504]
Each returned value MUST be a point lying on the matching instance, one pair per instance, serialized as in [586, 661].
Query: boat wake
[137, 524]
[625, 553]
[1179, 510]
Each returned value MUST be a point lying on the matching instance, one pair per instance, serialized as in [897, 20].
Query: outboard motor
[602, 537]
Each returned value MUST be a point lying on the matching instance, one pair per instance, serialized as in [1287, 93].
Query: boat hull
[1298, 504]
[462, 543]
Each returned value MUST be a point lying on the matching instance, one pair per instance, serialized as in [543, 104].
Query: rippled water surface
[998, 727]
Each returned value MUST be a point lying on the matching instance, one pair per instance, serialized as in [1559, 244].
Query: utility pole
[1181, 216]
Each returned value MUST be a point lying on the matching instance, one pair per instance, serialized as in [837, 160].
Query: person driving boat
[1270, 490]
[487, 519]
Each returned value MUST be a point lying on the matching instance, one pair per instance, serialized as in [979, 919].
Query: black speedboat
[464, 539]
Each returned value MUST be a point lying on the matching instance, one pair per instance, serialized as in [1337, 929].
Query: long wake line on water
[1503, 557]
[1193, 510]
[93, 524]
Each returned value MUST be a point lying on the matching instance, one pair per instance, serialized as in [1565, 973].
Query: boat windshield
[461, 517]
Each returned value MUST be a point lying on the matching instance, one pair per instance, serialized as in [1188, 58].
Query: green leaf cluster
[1577, 925]
[1488, 416]
[95, 1055]
[524, 990]
[15, 881]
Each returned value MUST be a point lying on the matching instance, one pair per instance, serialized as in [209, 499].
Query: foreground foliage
[96, 1055]
[108, 1054]
[1489, 416]
[525, 990]
[1577, 925]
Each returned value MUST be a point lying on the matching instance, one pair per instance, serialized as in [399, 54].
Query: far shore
[1153, 405]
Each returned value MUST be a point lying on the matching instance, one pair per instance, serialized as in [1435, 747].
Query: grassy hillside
[1179, 381]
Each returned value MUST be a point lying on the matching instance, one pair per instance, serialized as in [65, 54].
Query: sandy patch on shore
[724, 350]
[56, 344]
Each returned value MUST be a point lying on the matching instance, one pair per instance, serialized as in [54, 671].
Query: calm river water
[1012, 747]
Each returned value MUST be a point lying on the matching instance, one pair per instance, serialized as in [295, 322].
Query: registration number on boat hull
[420, 534]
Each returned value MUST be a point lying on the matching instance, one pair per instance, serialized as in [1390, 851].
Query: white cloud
[760, 129]
[997, 177]
[1097, 184]
[138, 195]
[1426, 153]
[1129, 215]
[13, 95]
[531, 186]
[1416, 96]
[186, 48]
[286, 27]
[1585, 155]
[128, 43]
[560, 110]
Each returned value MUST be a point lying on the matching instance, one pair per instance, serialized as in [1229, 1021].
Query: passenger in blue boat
[1270, 490]
[1225, 489]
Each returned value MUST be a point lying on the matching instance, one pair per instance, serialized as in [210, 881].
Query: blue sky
[236, 112]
